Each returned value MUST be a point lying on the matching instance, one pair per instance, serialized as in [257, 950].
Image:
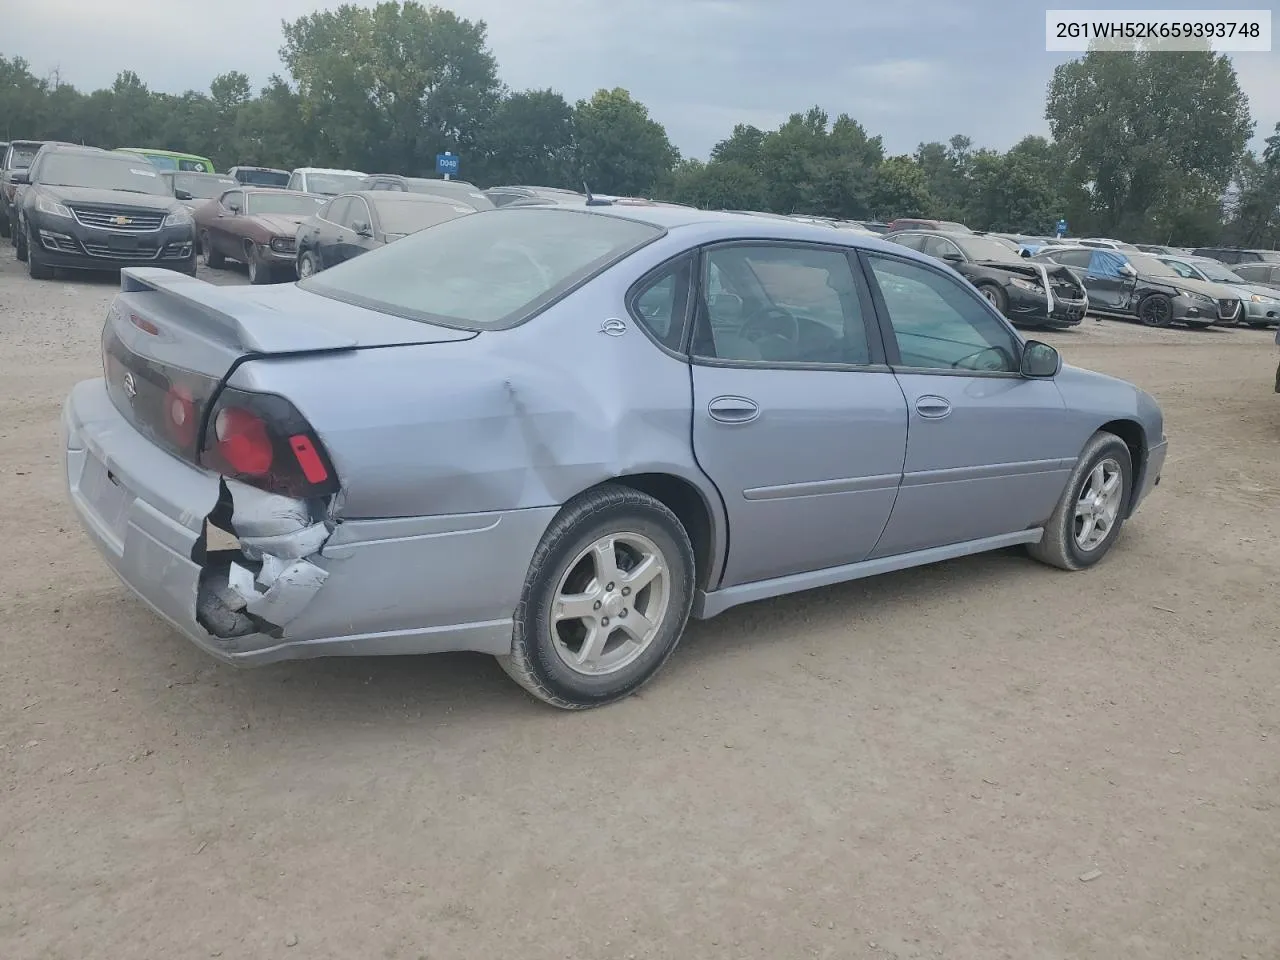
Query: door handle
[933, 408]
[733, 409]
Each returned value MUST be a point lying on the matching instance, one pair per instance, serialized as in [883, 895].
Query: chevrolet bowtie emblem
[121, 221]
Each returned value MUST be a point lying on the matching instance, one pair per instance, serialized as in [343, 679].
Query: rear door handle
[733, 409]
[933, 408]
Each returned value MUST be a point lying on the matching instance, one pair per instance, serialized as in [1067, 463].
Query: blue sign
[447, 162]
[1062, 228]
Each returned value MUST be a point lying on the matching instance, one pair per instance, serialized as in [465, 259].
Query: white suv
[324, 181]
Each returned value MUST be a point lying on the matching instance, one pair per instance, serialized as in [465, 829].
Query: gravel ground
[982, 759]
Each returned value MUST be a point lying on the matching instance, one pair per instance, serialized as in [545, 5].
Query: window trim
[893, 353]
[646, 280]
[870, 324]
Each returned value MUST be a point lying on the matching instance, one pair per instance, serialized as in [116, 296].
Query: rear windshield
[105, 172]
[291, 204]
[410, 216]
[201, 186]
[331, 183]
[263, 178]
[20, 157]
[488, 270]
[464, 192]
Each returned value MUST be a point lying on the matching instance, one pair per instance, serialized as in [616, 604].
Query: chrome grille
[110, 219]
[110, 253]
[1227, 309]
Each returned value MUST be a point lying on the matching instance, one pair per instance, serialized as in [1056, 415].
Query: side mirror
[953, 257]
[182, 194]
[234, 207]
[20, 176]
[1040, 361]
[1126, 269]
[362, 229]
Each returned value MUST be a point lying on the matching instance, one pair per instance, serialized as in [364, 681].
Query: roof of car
[349, 173]
[401, 196]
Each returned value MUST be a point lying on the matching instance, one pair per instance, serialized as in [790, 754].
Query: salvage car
[258, 226]
[17, 156]
[911, 223]
[1234, 255]
[194, 189]
[458, 191]
[1137, 286]
[171, 160]
[1261, 304]
[553, 434]
[1259, 274]
[1029, 294]
[90, 209]
[355, 223]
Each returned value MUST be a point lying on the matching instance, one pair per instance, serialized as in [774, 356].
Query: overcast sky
[910, 70]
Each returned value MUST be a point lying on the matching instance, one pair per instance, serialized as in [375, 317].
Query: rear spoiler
[238, 322]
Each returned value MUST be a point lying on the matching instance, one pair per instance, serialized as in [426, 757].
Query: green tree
[530, 140]
[1145, 131]
[389, 87]
[718, 185]
[620, 148]
[743, 146]
[900, 189]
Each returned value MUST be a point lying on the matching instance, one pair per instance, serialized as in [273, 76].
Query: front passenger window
[939, 324]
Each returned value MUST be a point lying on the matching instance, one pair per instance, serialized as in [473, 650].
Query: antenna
[592, 201]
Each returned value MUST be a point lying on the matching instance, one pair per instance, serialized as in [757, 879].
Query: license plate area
[106, 496]
[119, 241]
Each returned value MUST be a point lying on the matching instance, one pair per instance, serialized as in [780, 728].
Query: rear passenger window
[661, 304]
[780, 304]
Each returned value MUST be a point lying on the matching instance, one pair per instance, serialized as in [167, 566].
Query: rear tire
[37, 269]
[212, 258]
[580, 643]
[6, 228]
[1090, 514]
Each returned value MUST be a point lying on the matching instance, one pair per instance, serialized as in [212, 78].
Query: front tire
[1088, 518]
[20, 243]
[6, 227]
[1156, 310]
[995, 295]
[259, 272]
[605, 601]
[37, 269]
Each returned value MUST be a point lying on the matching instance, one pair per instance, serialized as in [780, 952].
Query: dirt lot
[983, 759]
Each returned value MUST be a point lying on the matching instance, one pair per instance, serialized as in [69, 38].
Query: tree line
[1146, 146]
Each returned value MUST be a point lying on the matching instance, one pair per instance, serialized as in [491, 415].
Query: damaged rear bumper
[291, 582]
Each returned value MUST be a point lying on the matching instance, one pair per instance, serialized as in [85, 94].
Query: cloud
[909, 70]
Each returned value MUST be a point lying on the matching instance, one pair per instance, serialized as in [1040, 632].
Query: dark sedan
[1029, 294]
[1138, 286]
[258, 227]
[90, 209]
[355, 223]
[17, 156]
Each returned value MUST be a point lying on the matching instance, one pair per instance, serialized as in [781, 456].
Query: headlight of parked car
[1259, 298]
[177, 217]
[1192, 295]
[282, 244]
[52, 207]
[1022, 284]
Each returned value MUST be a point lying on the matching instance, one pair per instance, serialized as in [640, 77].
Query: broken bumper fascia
[296, 585]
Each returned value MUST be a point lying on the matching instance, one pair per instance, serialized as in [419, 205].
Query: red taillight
[262, 439]
[243, 441]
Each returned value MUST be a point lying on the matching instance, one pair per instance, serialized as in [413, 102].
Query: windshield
[263, 178]
[1150, 265]
[331, 184]
[290, 203]
[101, 173]
[986, 248]
[410, 216]
[160, 162]
[201, 187]
[1217, 272]
[20, 157]
[486, 270]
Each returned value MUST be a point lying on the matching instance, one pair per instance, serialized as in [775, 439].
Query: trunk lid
[170, 341]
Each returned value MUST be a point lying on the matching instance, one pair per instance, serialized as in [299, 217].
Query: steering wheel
[771, 322]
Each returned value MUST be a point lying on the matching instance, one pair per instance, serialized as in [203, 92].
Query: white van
[324, 181]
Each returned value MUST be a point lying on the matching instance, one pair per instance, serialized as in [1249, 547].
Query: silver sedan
[552, 434]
